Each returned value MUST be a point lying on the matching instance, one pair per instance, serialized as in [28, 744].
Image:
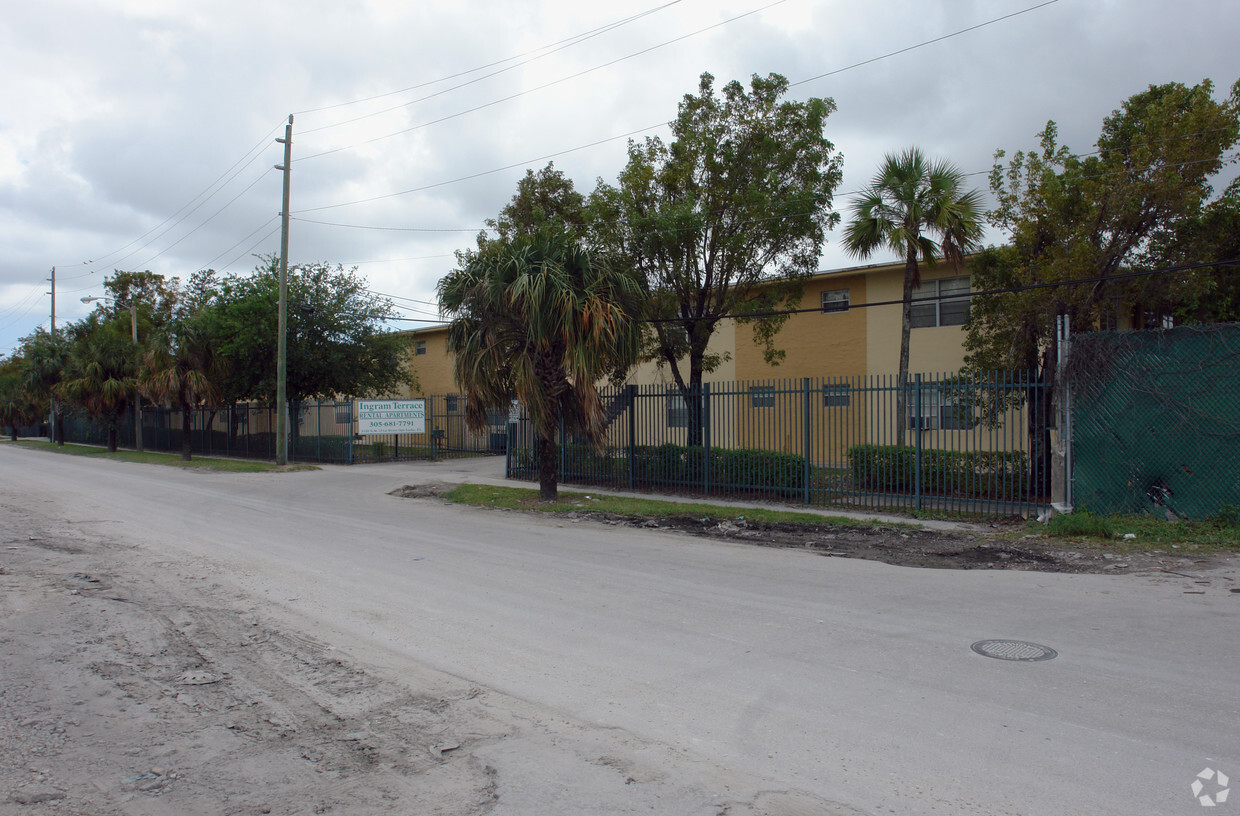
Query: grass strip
[168, 459]
[520, 498]
[1142, 533]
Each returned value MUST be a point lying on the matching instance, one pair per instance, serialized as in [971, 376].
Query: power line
[567, 44]
[512, 166]
[224, 177]
[924, 44]
[540, 87]
[639, 130]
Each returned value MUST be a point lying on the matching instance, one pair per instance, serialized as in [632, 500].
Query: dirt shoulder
[992, 546]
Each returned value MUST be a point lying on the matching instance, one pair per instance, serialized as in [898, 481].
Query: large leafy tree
[100, 377]
[183, 368]
[540, 318]
[1093, 217]
[727, 218]
[1073, 217]
[920, 210]
[337, 345]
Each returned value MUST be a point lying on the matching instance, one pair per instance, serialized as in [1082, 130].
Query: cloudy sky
[138, 134]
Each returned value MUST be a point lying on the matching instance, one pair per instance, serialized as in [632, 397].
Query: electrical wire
[924, 44]
[572, 40]
[555, 50]
[224, 177]
[544, 86]
[512, 166]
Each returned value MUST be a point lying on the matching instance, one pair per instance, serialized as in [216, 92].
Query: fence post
[562, 446]
[805, 439]
[318, 430]
[705, 404]
[632, 389]
[352, 430]
[430, 413]
[917, 442]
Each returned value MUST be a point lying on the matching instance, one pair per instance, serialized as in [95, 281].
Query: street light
[133, 324]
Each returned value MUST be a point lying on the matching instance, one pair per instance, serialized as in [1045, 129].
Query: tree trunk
[906, 326]
[12, 433]
[112, 436]
[187, 421]
[547, 488]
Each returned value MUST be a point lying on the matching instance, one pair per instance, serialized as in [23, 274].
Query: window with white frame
[344, 413]
[836, 396]
[946, 408]
[835, 301]
[762, 396]
[419, 347]
[945, 303]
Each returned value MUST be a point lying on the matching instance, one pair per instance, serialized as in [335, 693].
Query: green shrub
[981, 474]
[1080, 523]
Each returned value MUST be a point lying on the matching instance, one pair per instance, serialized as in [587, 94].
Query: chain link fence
[1156, 421]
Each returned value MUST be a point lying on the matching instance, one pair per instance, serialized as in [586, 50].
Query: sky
[139, 134]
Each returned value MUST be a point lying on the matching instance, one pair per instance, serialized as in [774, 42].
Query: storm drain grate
[1014, 650]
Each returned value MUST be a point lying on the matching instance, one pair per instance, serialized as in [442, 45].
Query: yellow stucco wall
[815, 344]
[434, 368]
[938, 349]
[722, 341]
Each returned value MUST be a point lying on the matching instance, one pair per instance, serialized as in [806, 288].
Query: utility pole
[282, 330]
[51, 423]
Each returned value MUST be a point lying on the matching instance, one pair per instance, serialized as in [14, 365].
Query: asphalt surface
[846, 683]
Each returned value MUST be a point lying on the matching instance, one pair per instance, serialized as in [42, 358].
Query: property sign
[391, 416]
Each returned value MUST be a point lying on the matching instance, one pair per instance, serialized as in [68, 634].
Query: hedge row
[679, 464]
[980, 474]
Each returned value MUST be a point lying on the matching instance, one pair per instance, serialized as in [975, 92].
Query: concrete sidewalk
[490, 470]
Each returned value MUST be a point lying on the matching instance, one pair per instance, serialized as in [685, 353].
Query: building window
[449, 403]
[948, 303]
[677, 410]
[942, 408]
[835, 301]
[836, 396]
[344, 413]
[762, 396]
[419, 347]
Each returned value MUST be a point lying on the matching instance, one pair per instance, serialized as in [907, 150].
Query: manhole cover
[1014, 650]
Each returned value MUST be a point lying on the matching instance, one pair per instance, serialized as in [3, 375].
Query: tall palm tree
[183, 369]
[540, 318]
[99, 377]
[919, 209]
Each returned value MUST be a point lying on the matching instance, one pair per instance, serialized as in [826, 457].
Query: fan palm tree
[540, 318]
[99, 377]
[17, 403]
[182, 369]
[918, 209]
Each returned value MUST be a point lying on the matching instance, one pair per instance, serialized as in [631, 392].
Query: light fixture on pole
[133, 324]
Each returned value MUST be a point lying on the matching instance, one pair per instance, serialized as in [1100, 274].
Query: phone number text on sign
[391, 416]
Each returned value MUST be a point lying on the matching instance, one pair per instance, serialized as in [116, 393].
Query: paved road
[831, 680]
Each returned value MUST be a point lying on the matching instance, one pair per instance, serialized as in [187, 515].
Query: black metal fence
[321, 431]
[977, 445]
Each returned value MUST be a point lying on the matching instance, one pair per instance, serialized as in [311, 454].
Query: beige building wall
[434, 368]
[937, 350]
[815, 343]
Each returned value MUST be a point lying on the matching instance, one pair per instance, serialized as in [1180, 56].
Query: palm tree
[99, 375]
[183, 369]
[910, 203]
[17, 403]
[540, 318]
